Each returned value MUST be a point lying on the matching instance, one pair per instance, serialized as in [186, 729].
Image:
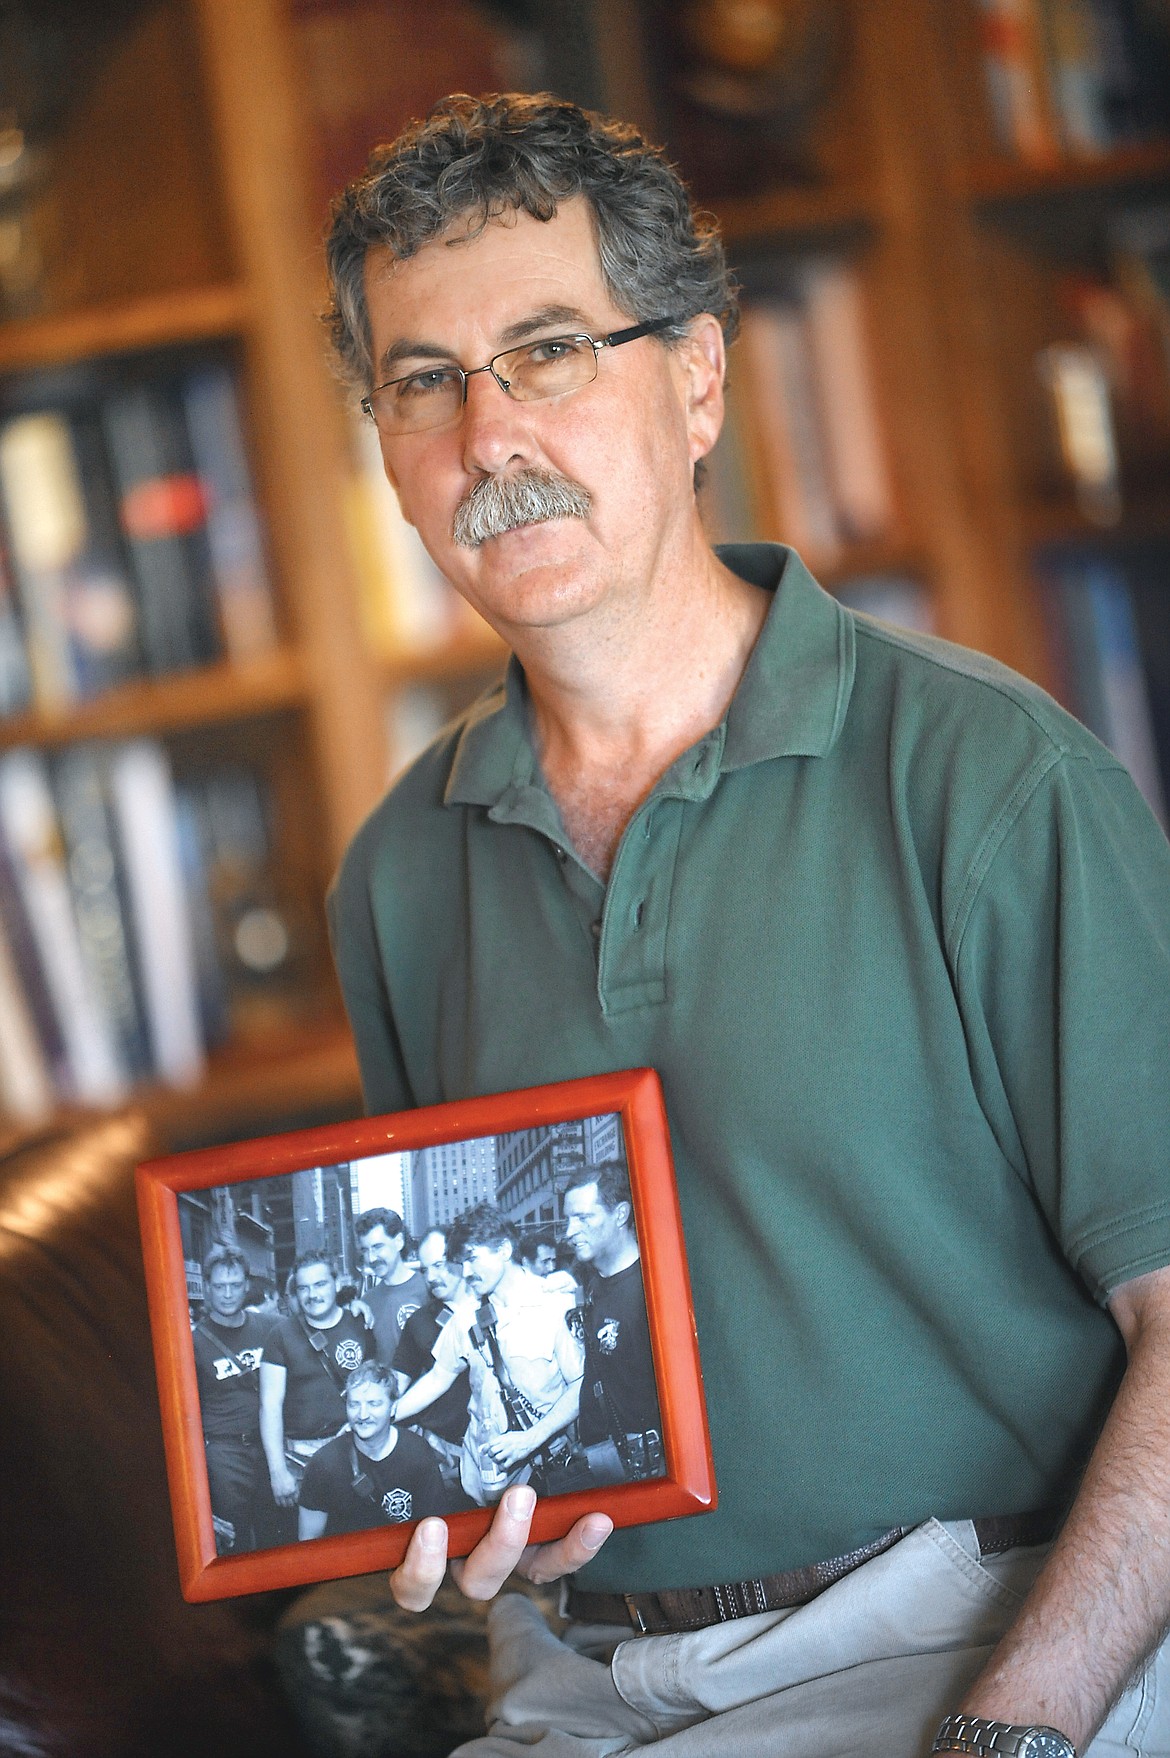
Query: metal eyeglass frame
[615, 339]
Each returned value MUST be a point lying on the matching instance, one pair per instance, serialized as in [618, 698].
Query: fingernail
[595, 1532]
[521, 1501]
[431, 1535]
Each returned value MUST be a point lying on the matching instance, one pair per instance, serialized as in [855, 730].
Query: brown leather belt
[692, 1608]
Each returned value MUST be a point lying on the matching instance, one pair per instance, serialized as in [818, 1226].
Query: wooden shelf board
[882, 556]
[995, 180]
[800, 211]
[299, 1071]
[190, 315]
[1144, 518]
[460, 658]
[170, 703]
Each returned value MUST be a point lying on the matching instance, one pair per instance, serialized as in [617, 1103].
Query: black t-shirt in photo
[227, 1364]
[405, 1485]
[447, 1416]
[617, 1353]
[314, 1402]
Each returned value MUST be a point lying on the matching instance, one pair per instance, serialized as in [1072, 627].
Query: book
[243, 589]
[92, 1070]
[1016, 76]
[406, 603]
[21, 945]
[1075, 52]
[15, 679]
[26, 1090]
[80, 614]
[163, 511]
[100, 901]
[786, 456]
[1099, 643]
[142, 796]
[854, 449]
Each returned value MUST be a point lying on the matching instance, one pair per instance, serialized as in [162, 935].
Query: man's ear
[704, 359]
[623, 1215]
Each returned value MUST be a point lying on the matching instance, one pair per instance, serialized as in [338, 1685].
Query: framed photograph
[364, 1324]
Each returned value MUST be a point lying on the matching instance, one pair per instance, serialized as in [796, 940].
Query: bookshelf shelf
[994, 180]
[178, 702]
[297, 1069]
[191, 315]
[462, 658]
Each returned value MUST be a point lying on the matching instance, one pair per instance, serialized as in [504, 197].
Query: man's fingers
[548, 1562]
[419, 1576]
[496, 1555]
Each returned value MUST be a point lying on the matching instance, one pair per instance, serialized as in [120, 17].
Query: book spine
[163, 513]
[855, 454]
[45, 516]
[792, 495]
[1077, 86]
[242, 585]
[15, 678]
[26, 1090]
[143, 800]
[99, 901]
[96, 1074]
[1011, 40]
[21, 943]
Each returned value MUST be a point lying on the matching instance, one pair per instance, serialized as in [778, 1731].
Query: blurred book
[93, 1072]
[243, 589]
[163, 507]
[79, 608]
[26, 1089]
[407, 604]
[846, 397]
[1011, 39]
[1098, 651]
[15, 679]
[143, 803]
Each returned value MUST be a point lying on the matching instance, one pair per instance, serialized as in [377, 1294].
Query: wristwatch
[970, 1733]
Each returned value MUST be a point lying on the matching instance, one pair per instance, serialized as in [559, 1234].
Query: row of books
[803, 457]
[1074, 77]
[129, 537]
[1110, 673]
[138, 910]
[1110, 386]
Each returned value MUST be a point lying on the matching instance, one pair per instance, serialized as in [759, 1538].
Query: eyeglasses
[551, 367]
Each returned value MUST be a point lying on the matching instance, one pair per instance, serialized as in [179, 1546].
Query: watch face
[1045, 1743]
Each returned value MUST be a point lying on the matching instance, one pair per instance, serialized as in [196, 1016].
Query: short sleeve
[1063, 971]
[451, 1349]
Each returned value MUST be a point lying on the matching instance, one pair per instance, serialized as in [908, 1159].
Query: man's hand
[508, 1449]
[284, 1487]
[504, 1549]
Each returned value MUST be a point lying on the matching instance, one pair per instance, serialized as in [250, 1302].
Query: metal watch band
[1000, 1739]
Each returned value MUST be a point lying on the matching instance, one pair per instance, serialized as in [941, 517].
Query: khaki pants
[865, 1671]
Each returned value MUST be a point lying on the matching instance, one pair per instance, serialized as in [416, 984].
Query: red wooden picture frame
[687, 1485]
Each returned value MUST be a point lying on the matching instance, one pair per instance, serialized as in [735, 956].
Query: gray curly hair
[482, 157]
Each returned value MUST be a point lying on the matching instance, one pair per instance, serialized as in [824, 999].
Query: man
[891, 928]
[307, 1359]
[392, 1290]
[229, 1346]
[536, 1250]
[619, 1399]
[443, 1423]
[374, 1474]
[523, 1362]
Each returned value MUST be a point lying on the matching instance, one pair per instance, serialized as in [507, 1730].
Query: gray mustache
[530, 497]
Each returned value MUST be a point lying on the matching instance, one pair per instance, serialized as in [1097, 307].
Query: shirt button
[595, 930]
[559, 852]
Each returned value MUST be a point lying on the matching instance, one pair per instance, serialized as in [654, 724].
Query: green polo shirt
[896, 936]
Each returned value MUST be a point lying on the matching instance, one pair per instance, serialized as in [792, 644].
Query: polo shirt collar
[790, 702]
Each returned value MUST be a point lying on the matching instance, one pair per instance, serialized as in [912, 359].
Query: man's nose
[496, 428]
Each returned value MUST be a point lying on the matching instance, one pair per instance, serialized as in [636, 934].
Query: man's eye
[425, 384]
[557, 348]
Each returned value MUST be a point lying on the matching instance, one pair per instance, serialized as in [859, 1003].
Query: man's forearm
[1102, 1601]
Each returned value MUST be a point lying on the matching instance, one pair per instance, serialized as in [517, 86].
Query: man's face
[316, 1292]
[544, 1260]
[226, 1287]
[442, 1278]
[629, 439]
[483, 1266]
[367, 1410]
[382, 1252]
[591, 1229]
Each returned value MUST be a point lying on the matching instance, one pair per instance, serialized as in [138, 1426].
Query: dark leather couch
[99, 1655]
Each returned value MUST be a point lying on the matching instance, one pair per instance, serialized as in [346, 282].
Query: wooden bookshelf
[196, 314]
